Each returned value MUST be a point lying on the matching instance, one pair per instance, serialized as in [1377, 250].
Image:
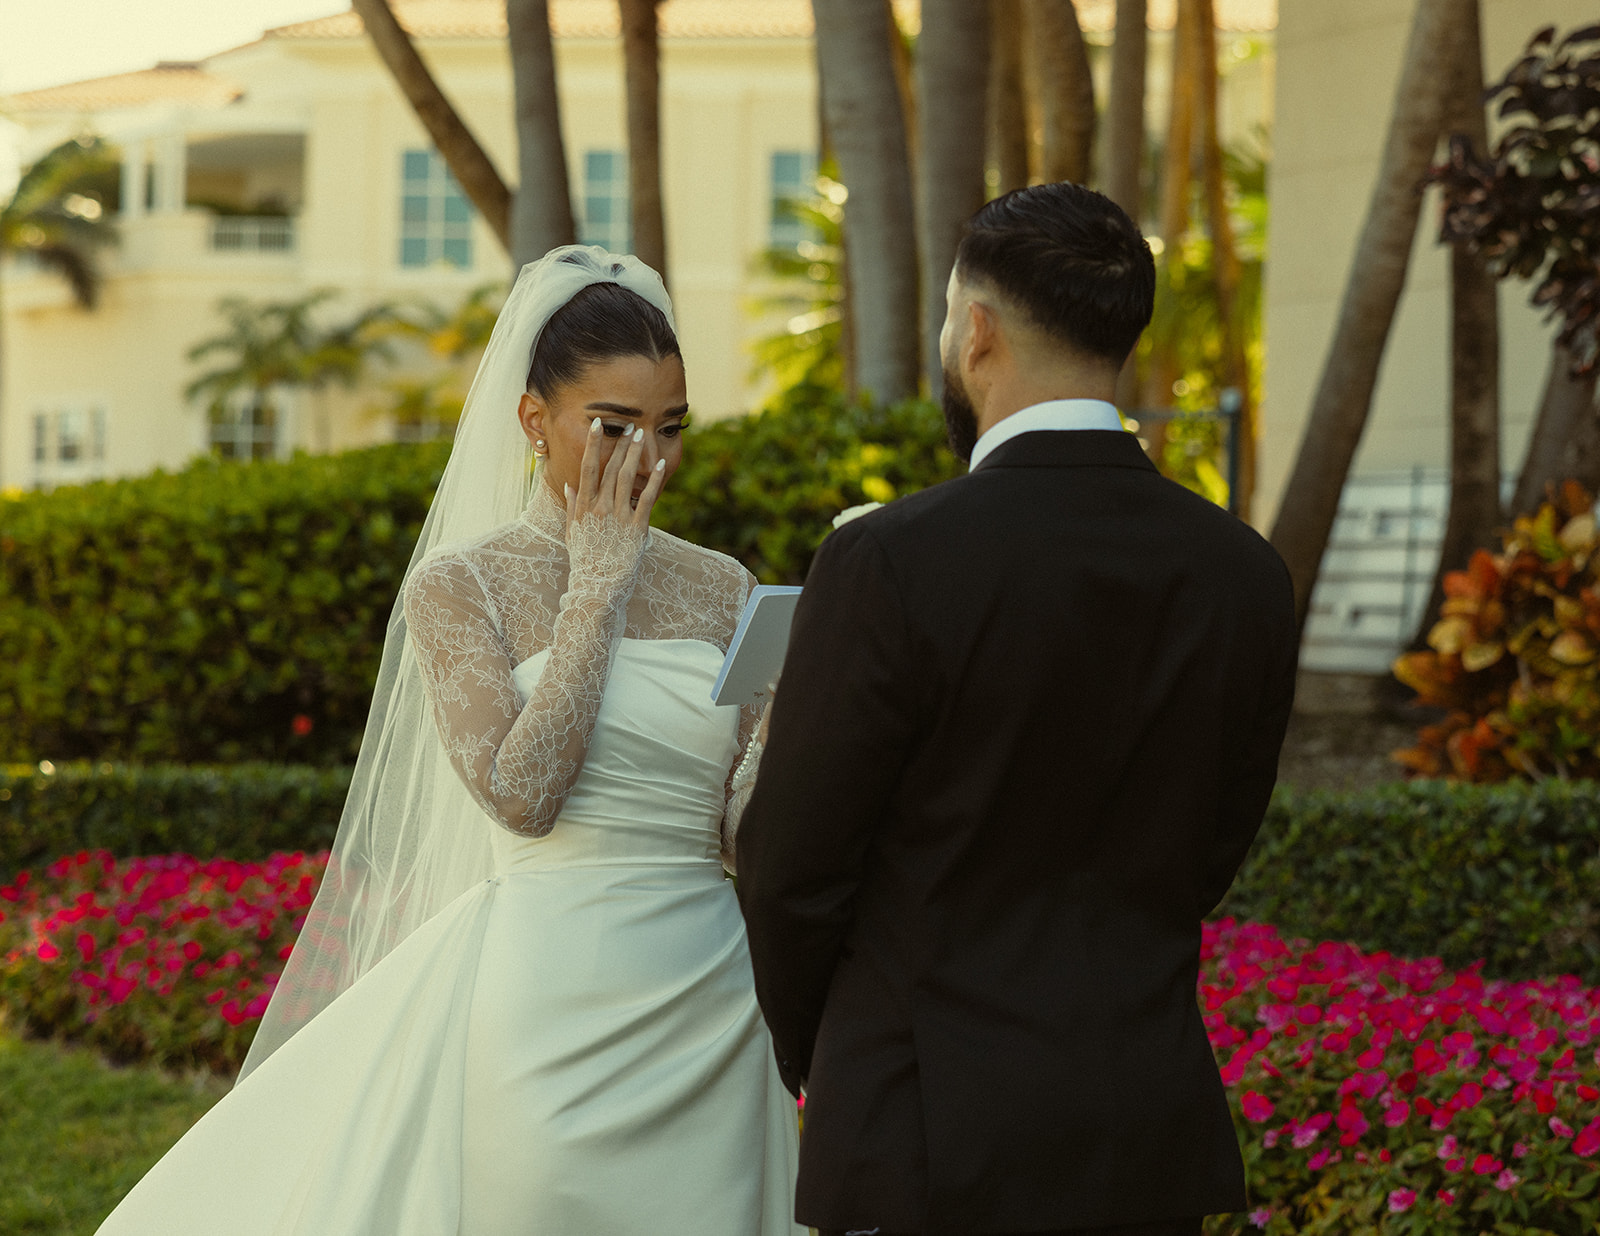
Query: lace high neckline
[545, 511]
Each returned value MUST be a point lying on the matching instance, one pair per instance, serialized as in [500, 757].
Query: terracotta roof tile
[1234, 16]
[691, 19]
[166, 83]
[575, 19]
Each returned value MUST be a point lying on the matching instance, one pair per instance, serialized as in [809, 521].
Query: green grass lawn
[76, 1133]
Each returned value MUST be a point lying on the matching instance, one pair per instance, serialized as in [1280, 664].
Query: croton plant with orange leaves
[1515, 655]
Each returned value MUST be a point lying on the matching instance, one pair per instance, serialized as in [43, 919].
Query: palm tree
[1161, 369]
[809, 349]
[1008, 113]
[1377, 275]
[1226, 268]
[1065, 88]
[430, 406]
[59, 215]
[273, 347]
[641, 61]
[1475, 514]
[462, 153]
[541, 215]
[1124, 142]
[952, 85]
[866, 126]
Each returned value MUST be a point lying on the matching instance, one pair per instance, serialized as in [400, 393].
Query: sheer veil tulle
[411, 838]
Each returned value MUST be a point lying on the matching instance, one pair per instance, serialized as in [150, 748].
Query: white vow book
[756, 654]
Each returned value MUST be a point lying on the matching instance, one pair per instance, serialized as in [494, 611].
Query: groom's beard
[960, 418]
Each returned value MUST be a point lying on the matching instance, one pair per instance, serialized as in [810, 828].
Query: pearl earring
[538, 446]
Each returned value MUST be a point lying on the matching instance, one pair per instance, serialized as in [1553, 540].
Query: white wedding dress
[573, 1047]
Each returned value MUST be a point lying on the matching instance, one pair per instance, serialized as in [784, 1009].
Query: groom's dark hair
[1071, 259]
[602, 321]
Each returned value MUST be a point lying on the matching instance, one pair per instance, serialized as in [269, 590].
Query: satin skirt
[565, 1052]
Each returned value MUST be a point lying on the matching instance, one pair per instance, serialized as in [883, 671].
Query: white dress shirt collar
[1052, 414]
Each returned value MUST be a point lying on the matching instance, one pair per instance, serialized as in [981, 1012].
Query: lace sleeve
[519, 761]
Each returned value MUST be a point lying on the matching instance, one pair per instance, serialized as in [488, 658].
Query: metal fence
[1378, 571]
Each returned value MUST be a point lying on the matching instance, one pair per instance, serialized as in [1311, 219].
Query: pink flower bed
[169, 959]
[1370, 1091]
[1380, 1093]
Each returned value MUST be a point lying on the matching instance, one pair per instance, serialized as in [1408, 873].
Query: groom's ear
[983, 333]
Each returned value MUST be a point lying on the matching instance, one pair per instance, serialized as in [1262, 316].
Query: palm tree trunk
[1008, 116]
[1125, 140]
[1177, 181]
[952, 83]
[541, 216]
[470, 163]
[1124, 153]
[900, 55]
[1566, 435]
[1065, 89]
[866, 123]
[1235, 368]
[641, 59]
[1475, 516]
[1377, 275]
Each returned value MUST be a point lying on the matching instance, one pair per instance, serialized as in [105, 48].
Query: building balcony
[252, 234]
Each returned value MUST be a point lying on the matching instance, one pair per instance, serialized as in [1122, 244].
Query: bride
[522, 1002]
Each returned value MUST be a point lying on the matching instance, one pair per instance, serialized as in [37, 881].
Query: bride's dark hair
[602, 322]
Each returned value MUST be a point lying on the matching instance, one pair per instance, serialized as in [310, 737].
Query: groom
[1028, 726]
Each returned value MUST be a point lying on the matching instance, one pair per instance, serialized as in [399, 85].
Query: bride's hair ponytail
[601, 322]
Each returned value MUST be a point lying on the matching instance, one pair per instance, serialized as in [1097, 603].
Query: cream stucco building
[293, 164]
[329, 181]
[1338, 67]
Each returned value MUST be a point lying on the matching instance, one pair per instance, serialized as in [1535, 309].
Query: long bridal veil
[411, 839]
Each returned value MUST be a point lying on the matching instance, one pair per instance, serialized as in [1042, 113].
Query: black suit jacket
[1028, 726]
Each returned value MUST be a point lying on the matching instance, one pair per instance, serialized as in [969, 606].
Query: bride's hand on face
[607, 493]
[606, 526]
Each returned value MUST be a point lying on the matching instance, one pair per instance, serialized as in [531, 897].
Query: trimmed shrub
[240, 811]
[1506, 874]
[237, 611]
[225, 612]
[765, 488]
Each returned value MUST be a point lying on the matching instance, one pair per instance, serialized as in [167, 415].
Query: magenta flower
[1256, 1107]
[1507, 1180]
[1401, 1200]
[1560, 1127]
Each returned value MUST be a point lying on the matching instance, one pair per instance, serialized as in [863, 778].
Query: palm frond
[76, 267]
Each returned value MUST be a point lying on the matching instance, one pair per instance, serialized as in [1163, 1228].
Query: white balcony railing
[252, 234]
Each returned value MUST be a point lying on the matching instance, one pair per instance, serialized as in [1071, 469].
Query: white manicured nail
[594, 425]
[661, 465]
[638, 435]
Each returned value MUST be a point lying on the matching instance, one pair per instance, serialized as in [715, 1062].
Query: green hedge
[765, 488]
[225, 612]
[243, 811]
[237, 611]
[1508, 873]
